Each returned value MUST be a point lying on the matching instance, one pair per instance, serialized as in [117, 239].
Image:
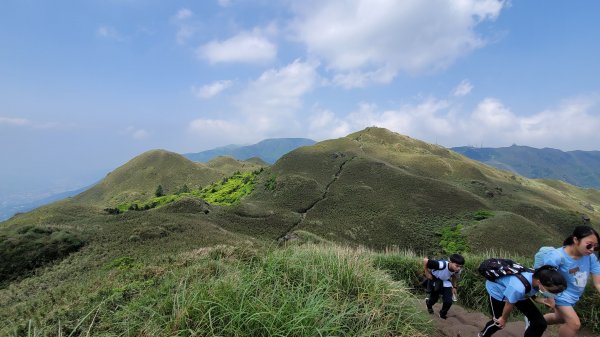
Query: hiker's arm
[549, 302]
[508, 307]
[596, 279]
[426, 271]
[454, 280]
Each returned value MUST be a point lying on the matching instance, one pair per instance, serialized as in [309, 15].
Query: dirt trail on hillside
[303, 213]
[463, 323]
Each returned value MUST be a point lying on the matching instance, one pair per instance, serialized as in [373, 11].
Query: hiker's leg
[537, 323]
[571, 325]
[433, 298]
[496, 308]
[446, 301]
[554, 318]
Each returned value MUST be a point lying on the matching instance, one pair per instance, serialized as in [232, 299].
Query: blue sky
[87, 85]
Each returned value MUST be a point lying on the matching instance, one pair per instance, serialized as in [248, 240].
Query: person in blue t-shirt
[576, 261]
[510, 291]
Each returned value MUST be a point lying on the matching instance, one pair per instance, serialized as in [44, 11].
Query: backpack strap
[563, 256]
[525, 283]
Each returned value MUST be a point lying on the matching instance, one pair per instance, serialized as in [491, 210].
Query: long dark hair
[580, 232]
[549, 276]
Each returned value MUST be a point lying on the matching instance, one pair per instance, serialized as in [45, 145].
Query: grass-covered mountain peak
[140, 178]
[378, 188]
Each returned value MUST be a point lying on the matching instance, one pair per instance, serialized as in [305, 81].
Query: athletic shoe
[443, 316]
[526, 322]
[429, 309]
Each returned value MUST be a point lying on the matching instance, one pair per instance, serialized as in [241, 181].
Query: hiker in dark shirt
[442, 279]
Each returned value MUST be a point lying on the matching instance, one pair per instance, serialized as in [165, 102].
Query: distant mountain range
[268, 150]
[579, 168]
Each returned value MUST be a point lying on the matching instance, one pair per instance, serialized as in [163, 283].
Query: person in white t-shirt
[442, 276]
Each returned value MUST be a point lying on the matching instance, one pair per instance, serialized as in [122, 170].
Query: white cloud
[463, 89]
[135, 133]
[357, 79]
[245, 47]
[324, 124]
[411, 36]
[22, 122]
[212, 131]
[210, 90]
[14, 121]
[183, 14]
[50, 125]
[493, 114]
[184, 34]
[186, 28]
[272, 99]
[140, 134]
[108, 32]
[572, 125]
[268, 107]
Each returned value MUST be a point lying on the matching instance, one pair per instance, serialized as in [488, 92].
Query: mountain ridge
[580, 168]
[268, 150]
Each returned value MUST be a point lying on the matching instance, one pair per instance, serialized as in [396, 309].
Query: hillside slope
[378, 188]
[139, 178]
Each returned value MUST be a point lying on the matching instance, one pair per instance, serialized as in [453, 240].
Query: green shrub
[228, 191]
[30, 247]
[482, 215]
[270, 184]
[452, 239]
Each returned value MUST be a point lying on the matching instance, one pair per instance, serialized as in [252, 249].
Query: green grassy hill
[139, 178]
[378, 188]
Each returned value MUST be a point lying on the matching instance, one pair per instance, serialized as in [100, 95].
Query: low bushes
[24, 249]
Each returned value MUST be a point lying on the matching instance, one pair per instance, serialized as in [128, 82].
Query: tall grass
[307, 290]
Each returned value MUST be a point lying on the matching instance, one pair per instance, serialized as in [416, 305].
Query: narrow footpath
[311, 206]
[462, 323]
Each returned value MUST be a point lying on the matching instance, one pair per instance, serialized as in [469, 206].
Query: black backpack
[492, 269]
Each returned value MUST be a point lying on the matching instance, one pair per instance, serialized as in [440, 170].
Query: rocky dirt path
[461, 323]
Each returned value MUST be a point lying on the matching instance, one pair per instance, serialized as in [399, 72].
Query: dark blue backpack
[493, 269]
